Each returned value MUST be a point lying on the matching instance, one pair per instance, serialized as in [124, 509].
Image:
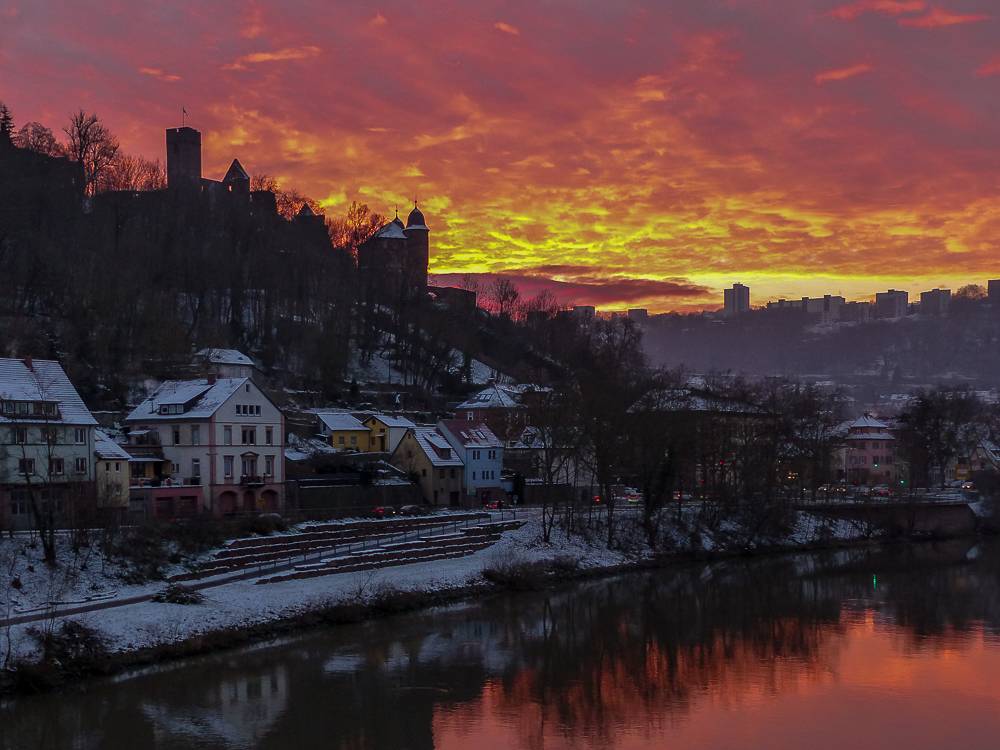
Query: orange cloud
[289, 53]
[842, 73]
[891, 7]
[379, 20]
[989, 69]
[506, 27]
[937, 18]
[159, 74]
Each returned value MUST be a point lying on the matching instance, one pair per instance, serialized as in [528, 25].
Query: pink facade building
[870, 457]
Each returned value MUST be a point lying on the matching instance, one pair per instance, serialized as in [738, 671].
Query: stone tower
[183, 156]
[418, 250]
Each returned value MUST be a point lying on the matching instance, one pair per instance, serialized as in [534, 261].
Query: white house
[482, 454]
[225, 363]
[47, 441]
[222, 435]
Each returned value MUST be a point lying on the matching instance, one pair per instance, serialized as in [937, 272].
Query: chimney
[211, 379]
[29, 363]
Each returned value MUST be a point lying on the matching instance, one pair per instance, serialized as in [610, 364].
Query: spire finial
[397, 210]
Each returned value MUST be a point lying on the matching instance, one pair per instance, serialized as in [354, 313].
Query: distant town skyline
[625, 156]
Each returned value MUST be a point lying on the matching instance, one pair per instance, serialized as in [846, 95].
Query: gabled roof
[224, 357]
[206, 399]
[44, 380]
[433, 444]
[492, 397]
[107, 449]
[470, 434]
[305, 211]
[339, 420]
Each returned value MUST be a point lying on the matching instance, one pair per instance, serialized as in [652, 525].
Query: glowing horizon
[624, 156]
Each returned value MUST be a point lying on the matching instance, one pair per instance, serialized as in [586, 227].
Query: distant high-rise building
[736, 301]
[585, 312]
[993, 291]
[639, 315]
[891, 304]
[935, 302]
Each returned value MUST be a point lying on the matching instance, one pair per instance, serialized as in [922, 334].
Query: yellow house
[111, 472]
[343, 432]
[386, 431]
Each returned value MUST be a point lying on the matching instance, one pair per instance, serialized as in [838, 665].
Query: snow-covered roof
[339, 420]
[391, 231]
[390, 421]
[107, 449]
[471, 434]
[43, 381]
[492, 397]
[224, 357]
[207, 398]
[866, 421]
[299, 449]
[435, 446]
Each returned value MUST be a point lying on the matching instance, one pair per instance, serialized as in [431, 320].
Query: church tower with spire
[419, 247]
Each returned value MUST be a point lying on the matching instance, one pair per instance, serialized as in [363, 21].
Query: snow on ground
[239, 603]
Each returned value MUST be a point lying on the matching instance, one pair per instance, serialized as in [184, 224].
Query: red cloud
[891, 7]
[842, 73]
[938, 18]
[989, 69]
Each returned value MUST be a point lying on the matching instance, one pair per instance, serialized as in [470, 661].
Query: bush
[73, 641]
[175, 593]
[513, 571]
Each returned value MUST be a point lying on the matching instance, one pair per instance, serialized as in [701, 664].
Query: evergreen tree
[6, 123]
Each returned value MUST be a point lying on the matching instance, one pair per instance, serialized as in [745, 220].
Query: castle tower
[183, 155]
[418, 250]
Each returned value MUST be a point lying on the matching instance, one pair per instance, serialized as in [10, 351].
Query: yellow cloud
[289, 53]
[506, 27]
[842, 73]
[159, 74]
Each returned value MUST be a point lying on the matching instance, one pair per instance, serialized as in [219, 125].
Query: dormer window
[171, 408]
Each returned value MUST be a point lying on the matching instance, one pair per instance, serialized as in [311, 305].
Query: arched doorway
[249, 502]
[227, 502]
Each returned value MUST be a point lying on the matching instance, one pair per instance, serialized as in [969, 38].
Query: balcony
[252, 481]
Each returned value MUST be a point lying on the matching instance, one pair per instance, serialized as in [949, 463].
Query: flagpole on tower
[183, 115]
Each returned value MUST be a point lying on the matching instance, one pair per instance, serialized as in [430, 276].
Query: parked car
[415, 510]
[495, 505]
[383, 511]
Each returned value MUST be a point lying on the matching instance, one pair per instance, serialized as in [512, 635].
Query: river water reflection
[892, 647]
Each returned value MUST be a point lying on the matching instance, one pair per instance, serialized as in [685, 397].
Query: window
[107, 467]
[227, 435]
[239, 409]
[452, 473]
[26, 466]
[175, 468]
[423, 472]
[22, 407]
[9, 407]
[342, 440]
[196, 467]
[249, 467]
[118, 467]
[249, 436]
[269, 436]
[473, 475]
[51, 435]
[80, 436]
[81, 466]
[468, 415]
[268, 467]
[256, 410]
[56, 466]
[196, 435]
[19, 435]
[227, 464]
[440, 473]
[248, 387]
[354, 439]
[177, 436]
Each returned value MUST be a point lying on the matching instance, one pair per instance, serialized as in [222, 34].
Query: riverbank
[242, 612]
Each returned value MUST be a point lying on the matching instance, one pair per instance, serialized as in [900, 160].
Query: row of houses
[213, 444]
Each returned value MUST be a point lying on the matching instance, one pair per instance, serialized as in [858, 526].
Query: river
[878, 647]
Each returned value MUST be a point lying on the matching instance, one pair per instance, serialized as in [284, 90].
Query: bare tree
[263, 181]
[128, 172]
[359, 225]
[504, 299]
[34, 136]
[91, 144]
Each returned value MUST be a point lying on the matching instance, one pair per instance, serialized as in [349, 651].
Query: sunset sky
[626, 154]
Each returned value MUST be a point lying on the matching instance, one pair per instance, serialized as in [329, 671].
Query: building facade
[426, 456]
[482, 455]
[870, 454]
[736, 301]
[223, 436]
